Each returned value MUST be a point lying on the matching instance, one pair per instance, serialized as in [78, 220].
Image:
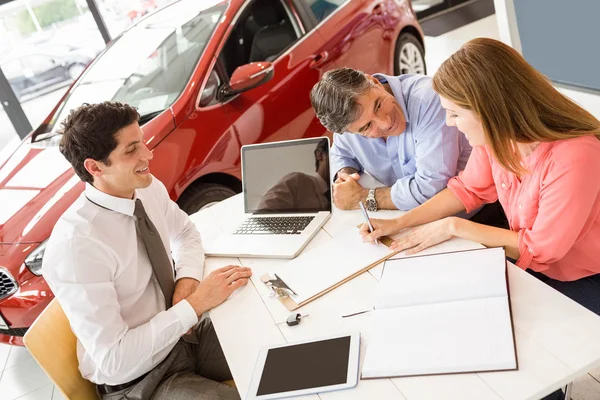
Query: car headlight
[34, 259]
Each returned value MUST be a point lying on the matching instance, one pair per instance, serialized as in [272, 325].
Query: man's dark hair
[322, 147]
[90, 131]
[335, 97]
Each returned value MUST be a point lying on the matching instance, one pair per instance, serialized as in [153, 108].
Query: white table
[557, 339]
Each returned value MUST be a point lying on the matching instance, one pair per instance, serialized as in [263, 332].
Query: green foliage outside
[47, 14]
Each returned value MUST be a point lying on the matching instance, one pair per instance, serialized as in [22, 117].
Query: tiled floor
[21, 378]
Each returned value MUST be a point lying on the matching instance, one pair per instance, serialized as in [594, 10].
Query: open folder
[326, 267]
[442, 313]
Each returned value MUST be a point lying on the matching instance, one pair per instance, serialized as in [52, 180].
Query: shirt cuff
[186, 314]
[470, 201]
[401, 196]
[336, 167]
[189, 272]
[526, 252]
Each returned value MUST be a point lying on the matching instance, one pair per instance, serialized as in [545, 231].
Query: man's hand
[183, 288]
[348, 192]
[217, 287]
[346, 174]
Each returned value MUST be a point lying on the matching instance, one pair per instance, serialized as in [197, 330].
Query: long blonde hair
[515, 102]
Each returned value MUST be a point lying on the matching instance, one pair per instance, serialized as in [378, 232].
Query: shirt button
[503, 184]
[520, 205]
[531, 251]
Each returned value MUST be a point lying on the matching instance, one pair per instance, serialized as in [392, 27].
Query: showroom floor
[22, 379]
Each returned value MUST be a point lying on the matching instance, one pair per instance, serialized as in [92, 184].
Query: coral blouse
[555, 208]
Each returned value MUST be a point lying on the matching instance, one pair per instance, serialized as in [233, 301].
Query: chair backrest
[54, 346]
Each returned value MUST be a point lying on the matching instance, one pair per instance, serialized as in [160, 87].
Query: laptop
[287, 199]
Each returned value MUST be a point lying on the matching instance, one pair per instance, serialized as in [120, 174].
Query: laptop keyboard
[274, 225]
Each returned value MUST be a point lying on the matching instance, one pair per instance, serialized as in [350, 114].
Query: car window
[256, 38]
[322, 8]
[12, 69]
[38, 63]
[149, 65]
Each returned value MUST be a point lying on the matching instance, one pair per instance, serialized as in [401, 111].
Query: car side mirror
[249, 76]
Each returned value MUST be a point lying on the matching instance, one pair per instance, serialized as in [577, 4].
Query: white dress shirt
[100, 273]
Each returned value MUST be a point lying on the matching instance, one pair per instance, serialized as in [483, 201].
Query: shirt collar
[118, 204]
[396, 86]
[322, 184]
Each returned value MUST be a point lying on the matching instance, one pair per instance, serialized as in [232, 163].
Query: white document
[442, 313]
[321, 268]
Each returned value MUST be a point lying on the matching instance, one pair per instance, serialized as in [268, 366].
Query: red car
[176, 66]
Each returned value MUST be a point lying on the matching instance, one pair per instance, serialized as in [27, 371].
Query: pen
[366, 216]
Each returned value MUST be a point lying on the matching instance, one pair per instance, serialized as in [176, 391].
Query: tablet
[312, 366]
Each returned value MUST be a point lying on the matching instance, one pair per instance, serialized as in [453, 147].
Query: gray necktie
[160, 260]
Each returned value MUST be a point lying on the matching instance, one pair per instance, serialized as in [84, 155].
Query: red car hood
[37, 185]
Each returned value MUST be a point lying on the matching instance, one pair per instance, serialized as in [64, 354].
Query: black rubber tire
[402, 39]
[200, 195]
[73, 75]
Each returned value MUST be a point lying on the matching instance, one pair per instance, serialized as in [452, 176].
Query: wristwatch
[371, 202]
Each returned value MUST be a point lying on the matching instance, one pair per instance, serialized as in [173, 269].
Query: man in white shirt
[103, 263]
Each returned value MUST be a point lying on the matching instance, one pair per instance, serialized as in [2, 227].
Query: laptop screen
[287, 177]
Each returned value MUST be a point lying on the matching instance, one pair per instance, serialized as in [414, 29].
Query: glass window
[150, 64]
[119, 15]
[38, 63]
[11, 68]
[422, 5]
[9, 139]
[44, 46]
[322, 8]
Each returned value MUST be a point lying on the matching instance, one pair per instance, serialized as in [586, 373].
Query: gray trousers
[190, 371]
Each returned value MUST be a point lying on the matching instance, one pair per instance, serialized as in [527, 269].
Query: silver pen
[366, 216]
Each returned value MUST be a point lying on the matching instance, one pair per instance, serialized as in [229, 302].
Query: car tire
[203, 195]
[75, 70]
[409, 57]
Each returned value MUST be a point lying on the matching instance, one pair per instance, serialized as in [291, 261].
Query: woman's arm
[443, 204]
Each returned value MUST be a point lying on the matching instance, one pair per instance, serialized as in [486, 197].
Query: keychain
[294, 319]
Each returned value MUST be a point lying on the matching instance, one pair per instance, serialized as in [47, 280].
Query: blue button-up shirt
[418, 163]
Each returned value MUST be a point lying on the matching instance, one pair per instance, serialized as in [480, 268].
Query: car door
[280, 109]
[355, 33]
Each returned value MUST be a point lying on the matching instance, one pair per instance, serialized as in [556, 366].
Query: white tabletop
[557, 339]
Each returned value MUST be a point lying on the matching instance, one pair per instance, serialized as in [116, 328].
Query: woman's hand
[425, 236]
[382, 227]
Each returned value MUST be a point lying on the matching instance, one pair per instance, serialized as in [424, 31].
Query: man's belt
[108, 389]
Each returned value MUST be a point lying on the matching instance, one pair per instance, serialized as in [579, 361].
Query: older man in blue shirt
[393, 128]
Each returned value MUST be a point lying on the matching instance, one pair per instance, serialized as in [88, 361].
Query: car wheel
[410, 56]
[203, 195]
[75, 70]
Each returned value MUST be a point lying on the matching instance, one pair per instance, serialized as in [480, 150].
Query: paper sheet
[323, 267]
[461, 336]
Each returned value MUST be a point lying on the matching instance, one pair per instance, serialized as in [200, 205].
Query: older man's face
[381, 115]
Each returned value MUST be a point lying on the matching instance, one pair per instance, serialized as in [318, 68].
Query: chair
[54, 346]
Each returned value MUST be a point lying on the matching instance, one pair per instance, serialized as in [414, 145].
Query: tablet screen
[305, 366]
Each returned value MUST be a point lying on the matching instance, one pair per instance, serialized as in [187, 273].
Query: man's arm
[341, 155]
[82, 279]
[185, 240]
[437, 151]
[347, 193]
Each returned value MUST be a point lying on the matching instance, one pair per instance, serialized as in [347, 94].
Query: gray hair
[335, 97]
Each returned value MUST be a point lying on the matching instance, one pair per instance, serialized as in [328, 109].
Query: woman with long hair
[536, 151]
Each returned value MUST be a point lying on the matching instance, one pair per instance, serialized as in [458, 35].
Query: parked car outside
[29, 73]
[207, 78]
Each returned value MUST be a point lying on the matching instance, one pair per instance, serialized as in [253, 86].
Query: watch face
[371, 205]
